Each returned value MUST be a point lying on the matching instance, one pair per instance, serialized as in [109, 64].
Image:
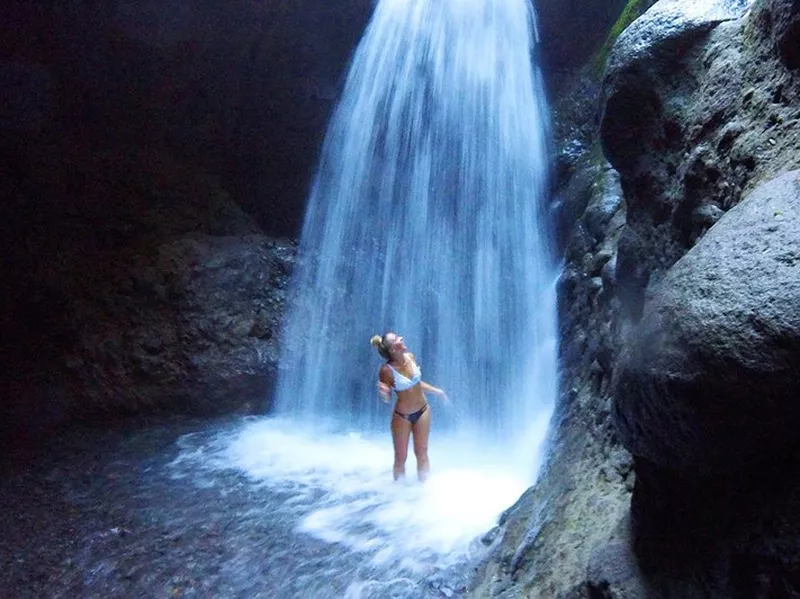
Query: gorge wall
[672, 467]
[154, 159]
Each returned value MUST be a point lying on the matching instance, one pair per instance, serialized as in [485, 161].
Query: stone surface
[242, 88]
[708, 379]
[785, 16]
[192, 326]
[691, 124]
[571, 30]
[135, 285]
[666, 27]
[614, 573]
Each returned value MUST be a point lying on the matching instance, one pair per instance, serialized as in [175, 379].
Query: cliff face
[242, 89]
[153, 155]
[672, 348]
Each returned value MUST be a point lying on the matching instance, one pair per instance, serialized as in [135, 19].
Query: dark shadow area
[729, 536]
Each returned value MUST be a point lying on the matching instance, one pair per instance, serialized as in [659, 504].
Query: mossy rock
[632, 11]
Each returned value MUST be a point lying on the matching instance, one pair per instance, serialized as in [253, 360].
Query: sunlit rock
[666, 25]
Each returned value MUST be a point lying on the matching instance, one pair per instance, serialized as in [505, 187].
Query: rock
[706, 215]
[604, 203]
[666, 25]
[242, 88]
[198, 351]
[708, 380]
[786, 30]
[570, 30]
[635, 102]
[613, 573]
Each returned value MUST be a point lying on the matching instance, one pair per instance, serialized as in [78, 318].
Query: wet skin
[409, 401]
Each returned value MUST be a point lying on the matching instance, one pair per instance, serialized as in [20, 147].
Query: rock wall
[135, 285]
[712, 203]
[697, 107]
[152, 157]
[243, 89]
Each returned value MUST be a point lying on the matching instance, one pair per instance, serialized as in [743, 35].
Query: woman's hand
[384, 391]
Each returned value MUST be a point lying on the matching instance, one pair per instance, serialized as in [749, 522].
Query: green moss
[632, 11]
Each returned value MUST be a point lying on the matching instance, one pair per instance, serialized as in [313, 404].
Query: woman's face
[395, 344]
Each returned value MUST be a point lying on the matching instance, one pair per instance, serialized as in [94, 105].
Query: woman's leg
[401, 430]
[421, 431]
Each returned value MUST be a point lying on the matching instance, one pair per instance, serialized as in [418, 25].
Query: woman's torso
[409, 399]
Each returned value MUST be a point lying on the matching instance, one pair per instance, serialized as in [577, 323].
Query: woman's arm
[385, 384]
[434, 390]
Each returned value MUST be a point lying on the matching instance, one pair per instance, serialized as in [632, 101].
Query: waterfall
[426, 218]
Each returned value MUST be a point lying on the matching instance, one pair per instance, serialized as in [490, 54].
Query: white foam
[342, 490]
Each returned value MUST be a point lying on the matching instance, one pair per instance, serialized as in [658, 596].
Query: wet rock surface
[707, 381]
[698, 108]
[719, 121]
[136, 285]
[692, 124]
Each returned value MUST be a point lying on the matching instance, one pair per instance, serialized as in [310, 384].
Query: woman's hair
[377, 341]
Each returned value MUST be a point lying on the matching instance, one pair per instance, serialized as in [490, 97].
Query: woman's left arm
[434, 390]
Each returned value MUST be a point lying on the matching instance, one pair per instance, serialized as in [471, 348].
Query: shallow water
[253, 507]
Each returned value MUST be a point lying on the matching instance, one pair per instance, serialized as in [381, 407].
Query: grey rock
[604, 203]
[706, 215]
[786, 30]
[613, 573]
[666, 22]
[609, 272]
[708, 380]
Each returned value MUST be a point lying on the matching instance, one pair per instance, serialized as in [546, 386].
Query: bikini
[403, 383]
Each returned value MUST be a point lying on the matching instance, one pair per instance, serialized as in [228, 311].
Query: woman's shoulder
[385, 372]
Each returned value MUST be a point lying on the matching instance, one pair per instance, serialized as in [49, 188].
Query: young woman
[411, 415]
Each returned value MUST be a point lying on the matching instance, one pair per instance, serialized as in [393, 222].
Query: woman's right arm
[385, 383]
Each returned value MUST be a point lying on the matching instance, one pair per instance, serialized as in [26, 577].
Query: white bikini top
[402, 382]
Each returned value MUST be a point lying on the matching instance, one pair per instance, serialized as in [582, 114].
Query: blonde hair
[377, 342]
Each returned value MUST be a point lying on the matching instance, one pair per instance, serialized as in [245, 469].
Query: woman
[411, 414]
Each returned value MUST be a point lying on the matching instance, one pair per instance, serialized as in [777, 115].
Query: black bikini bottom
[414, 416]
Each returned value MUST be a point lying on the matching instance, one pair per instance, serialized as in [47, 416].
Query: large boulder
[135, 285]
[647, 52]
[191, 326]
[667, 24]
[708, 380]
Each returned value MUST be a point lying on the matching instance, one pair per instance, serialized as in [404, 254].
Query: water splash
[384, 538]
[426, 218]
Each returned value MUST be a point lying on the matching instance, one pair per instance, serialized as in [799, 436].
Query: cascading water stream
[426, 218]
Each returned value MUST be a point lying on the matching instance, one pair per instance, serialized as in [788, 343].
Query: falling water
[426, 218]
